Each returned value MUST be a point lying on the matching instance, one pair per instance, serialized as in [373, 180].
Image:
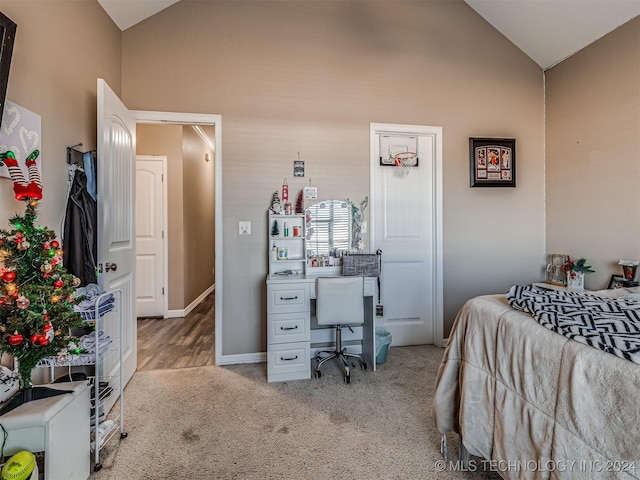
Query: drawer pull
[288, 359]
[289, 298]
[289, 328]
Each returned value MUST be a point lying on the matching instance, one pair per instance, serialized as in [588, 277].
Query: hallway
[178, 342]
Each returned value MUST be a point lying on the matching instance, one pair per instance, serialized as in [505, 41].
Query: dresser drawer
[288, 361]
[288, 327]
[287, 298]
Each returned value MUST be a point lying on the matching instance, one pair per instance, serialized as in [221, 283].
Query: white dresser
[293, 337]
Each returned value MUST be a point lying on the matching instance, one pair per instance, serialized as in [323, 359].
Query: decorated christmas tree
[36, 292]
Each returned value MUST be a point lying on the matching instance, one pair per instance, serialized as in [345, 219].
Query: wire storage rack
[101, 349]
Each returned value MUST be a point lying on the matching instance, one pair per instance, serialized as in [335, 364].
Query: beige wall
[593, 153]
[309, 77]
[60, 49]
[198, 214]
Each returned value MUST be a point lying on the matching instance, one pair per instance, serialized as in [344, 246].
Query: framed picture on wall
[492, 162]
[7, 36]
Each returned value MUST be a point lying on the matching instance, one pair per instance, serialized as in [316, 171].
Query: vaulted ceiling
[548, 31]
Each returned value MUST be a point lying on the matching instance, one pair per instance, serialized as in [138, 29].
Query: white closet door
[403, 227]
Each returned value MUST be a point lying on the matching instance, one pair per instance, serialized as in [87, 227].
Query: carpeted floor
[229, 423]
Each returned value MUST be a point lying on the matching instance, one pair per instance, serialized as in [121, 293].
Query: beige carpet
[229, 423]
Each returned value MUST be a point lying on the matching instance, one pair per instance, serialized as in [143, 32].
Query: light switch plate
[244, 228]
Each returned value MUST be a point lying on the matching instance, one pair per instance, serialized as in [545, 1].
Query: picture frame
[7, 37]
[492, 162]
[616, 281]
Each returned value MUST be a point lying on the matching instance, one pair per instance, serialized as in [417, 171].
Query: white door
[150, 235]
[404, 228]
[116, 223]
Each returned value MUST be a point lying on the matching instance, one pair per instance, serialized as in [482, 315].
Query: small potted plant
[575, 273]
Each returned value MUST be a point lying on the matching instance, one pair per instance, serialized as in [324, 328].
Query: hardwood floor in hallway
[166, 343]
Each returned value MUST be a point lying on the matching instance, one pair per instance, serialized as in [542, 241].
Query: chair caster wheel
[317, 374]
[347, 379]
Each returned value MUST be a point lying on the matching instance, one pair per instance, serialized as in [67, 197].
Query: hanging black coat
[80, 231]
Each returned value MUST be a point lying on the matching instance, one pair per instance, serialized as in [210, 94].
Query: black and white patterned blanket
[612, 325]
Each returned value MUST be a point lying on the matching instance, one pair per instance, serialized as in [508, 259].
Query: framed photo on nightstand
[616, 281]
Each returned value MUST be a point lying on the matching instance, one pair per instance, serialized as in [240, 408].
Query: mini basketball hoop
[406, 161]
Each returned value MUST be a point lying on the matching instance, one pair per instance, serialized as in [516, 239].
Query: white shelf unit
[295, 260]
[106, 382]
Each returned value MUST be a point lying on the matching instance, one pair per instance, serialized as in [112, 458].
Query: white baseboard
[260, 357]
[184, 312]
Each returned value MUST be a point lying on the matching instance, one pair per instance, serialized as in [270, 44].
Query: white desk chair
[339, 302]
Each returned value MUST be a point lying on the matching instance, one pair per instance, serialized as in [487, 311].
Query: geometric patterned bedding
[610, 324]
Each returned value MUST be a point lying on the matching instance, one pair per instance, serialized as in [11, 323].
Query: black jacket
[81, 231]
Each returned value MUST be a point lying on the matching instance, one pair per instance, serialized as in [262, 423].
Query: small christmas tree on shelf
[36, 292]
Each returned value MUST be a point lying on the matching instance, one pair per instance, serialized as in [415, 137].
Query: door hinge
[163, 290]
[162, 233]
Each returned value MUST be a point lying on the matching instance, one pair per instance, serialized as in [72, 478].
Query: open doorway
[193, 233]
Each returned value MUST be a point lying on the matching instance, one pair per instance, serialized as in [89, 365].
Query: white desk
[58, 426]
[293, 335]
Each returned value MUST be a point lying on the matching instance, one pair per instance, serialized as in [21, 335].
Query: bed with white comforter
[536, 402]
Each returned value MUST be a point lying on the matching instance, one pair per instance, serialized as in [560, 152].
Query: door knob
[110, 266]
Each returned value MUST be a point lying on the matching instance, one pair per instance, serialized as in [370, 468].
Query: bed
[536, 403]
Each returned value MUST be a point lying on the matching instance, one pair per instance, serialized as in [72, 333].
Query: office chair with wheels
[339, 301]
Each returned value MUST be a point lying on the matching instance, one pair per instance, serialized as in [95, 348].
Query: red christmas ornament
[54, 244]
[45, 315]
[46, 246]
[36, 339]
[9, 276]
[58, 283]
[16, 339]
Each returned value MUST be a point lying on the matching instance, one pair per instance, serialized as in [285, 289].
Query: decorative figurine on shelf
[285, 191]
[275, 230]
[275, 203]
[300, 202]
[24, 189]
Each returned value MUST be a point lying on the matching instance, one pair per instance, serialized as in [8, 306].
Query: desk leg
[368, 333]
